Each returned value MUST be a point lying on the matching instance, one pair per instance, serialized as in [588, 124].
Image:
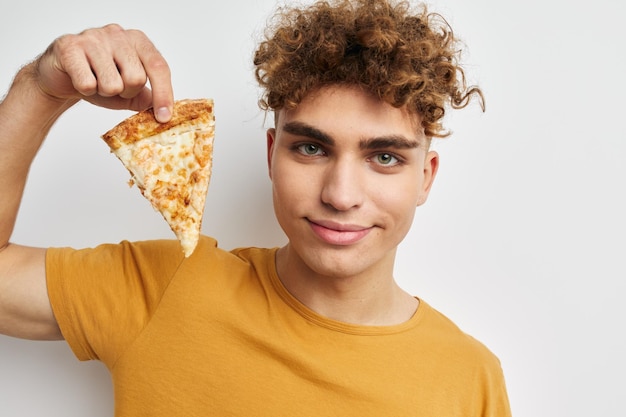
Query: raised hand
[109, 67]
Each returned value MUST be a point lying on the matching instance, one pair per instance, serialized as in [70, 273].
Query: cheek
[398, 193]
[284, 179]
[399, 200]
[289, 187]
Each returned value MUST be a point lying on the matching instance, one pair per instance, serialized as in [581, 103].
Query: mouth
[337, 233]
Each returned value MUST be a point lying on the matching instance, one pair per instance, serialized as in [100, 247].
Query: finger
[109, 79]
[141, 101]
[131, 71]
[114, 62]
[103, 48]
[159, 74]
[127, 62]
[65, 69]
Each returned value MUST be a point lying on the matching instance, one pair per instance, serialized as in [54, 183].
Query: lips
[338, 234]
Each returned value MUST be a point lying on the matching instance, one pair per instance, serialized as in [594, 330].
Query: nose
[343, 187]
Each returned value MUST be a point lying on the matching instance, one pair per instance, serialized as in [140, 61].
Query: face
[347, 172]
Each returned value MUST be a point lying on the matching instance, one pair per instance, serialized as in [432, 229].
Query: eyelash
[397, 162]
[300, 147]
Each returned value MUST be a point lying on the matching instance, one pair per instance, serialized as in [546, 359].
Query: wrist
[27, 110]
[28, 77]
[26, 115]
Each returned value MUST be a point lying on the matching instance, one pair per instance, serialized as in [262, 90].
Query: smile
[338, 234]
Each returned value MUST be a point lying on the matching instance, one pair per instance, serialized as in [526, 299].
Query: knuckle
[99, 35]
[85, 86]
[135, 80]
[136, 33]
[110, 89]
[64, 44]
[156, 62]
[113, 28]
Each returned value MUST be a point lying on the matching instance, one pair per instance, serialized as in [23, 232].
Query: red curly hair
[404, 57]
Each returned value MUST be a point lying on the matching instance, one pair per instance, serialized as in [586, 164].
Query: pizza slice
[170, 163]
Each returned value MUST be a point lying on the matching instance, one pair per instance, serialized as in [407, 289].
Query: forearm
[26, 116]
[108, 67]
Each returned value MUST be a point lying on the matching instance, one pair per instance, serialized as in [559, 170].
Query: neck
[369, 298]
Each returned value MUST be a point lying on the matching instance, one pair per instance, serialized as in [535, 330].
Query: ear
[431, 165]
[271, 137]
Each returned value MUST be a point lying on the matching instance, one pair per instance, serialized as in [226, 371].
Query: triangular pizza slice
[170, 162]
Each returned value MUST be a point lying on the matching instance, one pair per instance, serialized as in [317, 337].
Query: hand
[109, 67]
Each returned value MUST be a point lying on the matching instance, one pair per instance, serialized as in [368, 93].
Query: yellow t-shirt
[218, 334]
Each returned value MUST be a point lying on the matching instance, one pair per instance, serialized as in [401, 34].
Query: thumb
[140, 101]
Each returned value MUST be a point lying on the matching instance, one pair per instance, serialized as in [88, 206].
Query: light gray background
[521, 243]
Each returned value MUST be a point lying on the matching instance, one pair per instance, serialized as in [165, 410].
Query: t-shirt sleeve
[494, 398]
[473, 369]
[103, 297]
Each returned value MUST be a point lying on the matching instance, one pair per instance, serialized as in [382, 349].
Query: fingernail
[163, 114]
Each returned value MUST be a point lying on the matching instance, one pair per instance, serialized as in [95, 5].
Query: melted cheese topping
[163, 157]
[172, 169]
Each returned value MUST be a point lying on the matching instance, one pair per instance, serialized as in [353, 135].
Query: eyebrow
[303, 129]
[391, 141]
[378, 142]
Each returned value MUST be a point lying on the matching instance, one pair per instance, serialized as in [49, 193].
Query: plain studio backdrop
[522, 240]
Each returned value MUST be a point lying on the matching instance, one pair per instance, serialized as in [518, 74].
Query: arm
[108, 67]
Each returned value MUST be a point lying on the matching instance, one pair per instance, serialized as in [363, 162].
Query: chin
[344, 262]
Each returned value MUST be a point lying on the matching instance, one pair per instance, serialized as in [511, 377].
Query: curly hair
[404, 57]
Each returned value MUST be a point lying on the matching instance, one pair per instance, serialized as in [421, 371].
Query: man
[317, 327]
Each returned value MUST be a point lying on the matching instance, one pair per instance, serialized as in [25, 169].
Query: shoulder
[208, 252]
[452, 340]
[463, 358]
[222, 270]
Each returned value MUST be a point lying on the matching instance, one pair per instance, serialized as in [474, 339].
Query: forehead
[351, 111]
